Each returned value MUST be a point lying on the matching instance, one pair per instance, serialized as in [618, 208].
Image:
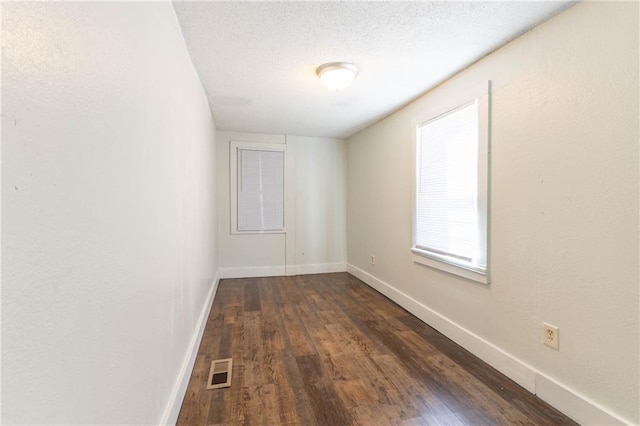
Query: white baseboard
[276, 271]
[172, 410]
[571, 403]
[254, 271]
[320, 268]
[574, 405]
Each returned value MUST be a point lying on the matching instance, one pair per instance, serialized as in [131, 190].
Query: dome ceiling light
[337, 75]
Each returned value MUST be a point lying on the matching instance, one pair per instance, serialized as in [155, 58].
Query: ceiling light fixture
[337, 75]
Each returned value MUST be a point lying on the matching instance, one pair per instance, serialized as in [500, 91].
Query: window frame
[234, 148]
[438, 261]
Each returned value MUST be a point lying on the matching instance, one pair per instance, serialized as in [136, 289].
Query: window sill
[428, 259]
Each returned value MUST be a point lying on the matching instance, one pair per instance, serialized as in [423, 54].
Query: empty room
[320, 213]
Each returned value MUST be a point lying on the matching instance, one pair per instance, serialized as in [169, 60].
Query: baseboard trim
[571, 403]
[320, 268]
[250, 272]
[574, 405]
[172, 410]
[277, 271]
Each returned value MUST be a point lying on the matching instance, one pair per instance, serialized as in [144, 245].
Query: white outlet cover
[551, 336]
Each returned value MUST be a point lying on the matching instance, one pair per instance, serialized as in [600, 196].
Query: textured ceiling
[257, 60]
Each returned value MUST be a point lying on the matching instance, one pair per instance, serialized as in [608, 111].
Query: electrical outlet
[551, 336]
[373, 260]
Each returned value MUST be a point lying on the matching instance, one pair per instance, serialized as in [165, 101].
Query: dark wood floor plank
[414, 395]
[233, 409]
[417, 366]
[329, 350]
[294, 332]
[482, 397]
[215, 415]
[251, 296]
[327, 406]
[304, 410]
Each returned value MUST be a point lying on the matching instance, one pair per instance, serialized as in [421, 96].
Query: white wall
[564, 218]
[315, 211]
[109, 211]
[321, 202]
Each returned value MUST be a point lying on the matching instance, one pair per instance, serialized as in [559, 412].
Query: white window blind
[447, 219]
[260, 189]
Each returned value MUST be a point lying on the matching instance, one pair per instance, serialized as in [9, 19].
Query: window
[257, 187]
[450, 217]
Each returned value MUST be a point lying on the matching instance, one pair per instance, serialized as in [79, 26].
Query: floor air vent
[220, 374]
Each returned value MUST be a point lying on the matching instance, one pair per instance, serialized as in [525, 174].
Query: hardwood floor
[329, 350]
